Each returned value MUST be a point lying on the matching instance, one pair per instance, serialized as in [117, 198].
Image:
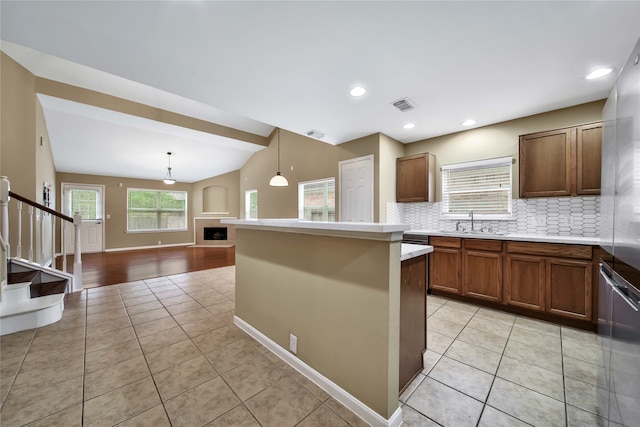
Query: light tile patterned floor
[165, 352]
[489, 368]
[157, 352]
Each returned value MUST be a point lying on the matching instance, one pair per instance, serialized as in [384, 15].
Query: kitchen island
[335, 287]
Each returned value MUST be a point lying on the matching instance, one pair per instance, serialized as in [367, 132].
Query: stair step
[49, 288]
[21, 276]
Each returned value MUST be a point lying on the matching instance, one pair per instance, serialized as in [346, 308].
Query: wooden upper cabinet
[415, 178]
[588, 158]
[545, 164]
[563, 162]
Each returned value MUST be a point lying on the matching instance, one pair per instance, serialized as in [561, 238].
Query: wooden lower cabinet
[554, 280]
[524, 282]
[445, 271]
[569, 288]
[482, 269]
[413, 317]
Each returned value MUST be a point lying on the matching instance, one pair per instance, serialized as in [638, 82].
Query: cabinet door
[482, 275]
[445, 270]
[588, 158]
[545, 163]
[568, 288]
[413, 317]
[415, 178]
[524, 282]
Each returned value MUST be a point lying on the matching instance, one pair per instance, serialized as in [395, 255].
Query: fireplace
[208, 231]
[215, 233]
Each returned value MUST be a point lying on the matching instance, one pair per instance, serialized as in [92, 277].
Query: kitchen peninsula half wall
[334, 287]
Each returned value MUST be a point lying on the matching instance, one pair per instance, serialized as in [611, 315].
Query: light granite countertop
[572, 240]
[409, 250]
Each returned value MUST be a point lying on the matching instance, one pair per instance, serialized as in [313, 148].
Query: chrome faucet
[471, 215]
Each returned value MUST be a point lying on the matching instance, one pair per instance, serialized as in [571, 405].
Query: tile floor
[156, 352]
[489, 368]
[165, 351]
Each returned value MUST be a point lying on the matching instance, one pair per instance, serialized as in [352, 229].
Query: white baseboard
[148, 247]
[335, 391]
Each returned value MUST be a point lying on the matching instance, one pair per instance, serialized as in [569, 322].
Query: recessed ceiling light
[409, 126]
[468, 122]
[600, 72]
[357, 91]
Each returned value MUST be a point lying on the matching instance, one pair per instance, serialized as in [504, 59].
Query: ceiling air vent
[315, 134]
[404, 104]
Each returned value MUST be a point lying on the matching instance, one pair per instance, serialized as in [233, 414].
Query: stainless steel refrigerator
[619, 287]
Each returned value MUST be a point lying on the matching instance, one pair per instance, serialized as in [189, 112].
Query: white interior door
[356, 189]
[89, 201]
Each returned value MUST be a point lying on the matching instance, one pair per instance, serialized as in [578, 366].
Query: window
[156, 210]
[317, 200]
[483, 186]
[251, 204]
[86, 202]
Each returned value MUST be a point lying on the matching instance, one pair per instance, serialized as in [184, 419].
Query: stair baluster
[19, 245]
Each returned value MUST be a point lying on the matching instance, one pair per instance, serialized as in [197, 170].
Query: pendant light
[278, 180]
[169, 179]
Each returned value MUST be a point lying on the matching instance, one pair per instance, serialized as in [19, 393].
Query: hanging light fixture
[278, 180]
[169, 179]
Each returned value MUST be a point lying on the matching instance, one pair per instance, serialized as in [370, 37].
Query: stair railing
[5, 196]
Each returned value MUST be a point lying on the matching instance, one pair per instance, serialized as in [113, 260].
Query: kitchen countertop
[572, 240]
[358, 230]
[409, 250]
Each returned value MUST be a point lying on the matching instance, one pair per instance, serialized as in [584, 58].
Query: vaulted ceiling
[255, 65]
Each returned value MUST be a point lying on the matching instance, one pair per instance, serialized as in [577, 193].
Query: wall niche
[215, 200]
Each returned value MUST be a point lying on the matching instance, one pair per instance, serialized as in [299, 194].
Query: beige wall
[501, 139]
[45, 172]
[390, 150]
[18, 130]
[18, 138]
[310, 159]
[115, 236]
[339, 296]
[230, 181]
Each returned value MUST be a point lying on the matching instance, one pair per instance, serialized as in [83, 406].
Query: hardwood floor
[108, 268]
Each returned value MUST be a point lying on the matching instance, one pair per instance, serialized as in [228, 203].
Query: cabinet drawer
[446, 242]
[550, 249]
[483, 245]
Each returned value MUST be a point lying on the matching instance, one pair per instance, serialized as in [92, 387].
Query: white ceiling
[256, 65]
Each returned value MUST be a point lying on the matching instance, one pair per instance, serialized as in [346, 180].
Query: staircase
[33, 297]
[32, 291]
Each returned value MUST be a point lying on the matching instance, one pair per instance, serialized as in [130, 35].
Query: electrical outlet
[159, 242]
[293, 344]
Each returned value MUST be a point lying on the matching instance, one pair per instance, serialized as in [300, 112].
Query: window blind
[484, 187]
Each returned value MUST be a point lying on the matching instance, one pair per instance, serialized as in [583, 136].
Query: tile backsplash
[560, 216]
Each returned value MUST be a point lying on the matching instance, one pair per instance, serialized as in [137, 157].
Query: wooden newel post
[4, 205]
[77, 257]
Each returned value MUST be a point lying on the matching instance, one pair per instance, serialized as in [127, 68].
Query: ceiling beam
[101, 100]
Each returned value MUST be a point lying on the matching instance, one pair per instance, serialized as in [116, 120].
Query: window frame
[160, 230]
[479, 164]
[301, 185]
